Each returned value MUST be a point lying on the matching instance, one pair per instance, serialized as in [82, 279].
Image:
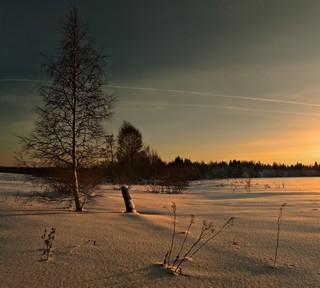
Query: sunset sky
[208, 80]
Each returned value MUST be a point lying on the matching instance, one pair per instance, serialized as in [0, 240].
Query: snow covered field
[105, 247]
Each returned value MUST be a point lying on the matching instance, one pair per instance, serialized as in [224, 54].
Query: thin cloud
[220, 107]
[23, 80]
[215, 95]
[199, 93]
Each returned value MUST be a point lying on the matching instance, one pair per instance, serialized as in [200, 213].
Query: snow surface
[105, 247]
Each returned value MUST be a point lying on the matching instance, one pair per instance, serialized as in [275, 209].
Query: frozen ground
[125, 250]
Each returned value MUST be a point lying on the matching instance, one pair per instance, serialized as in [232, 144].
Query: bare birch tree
[68, 131]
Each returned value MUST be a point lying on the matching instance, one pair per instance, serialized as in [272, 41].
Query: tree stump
[130, 208]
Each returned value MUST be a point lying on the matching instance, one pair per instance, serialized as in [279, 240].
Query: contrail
[222, 107]
[184, 92]
[215, 95]
[23, 80]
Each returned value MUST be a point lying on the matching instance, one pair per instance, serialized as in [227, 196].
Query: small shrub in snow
[248, 185]
[207, 233]
[56, 187]
[169, 186]
[48, 241]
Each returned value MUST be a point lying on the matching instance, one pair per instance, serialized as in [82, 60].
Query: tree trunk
[130, 208]
[74, 112]
[76, 190]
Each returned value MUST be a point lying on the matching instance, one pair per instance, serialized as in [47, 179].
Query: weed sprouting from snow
[48, 241]
[178, 257]
[173, 216]
[278, 233]
[16, 197]
[248, 185]
[207, 233]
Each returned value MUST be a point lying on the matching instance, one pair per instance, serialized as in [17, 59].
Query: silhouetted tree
[111, 149]
[178, 161]
[129, 143]
[68, 131]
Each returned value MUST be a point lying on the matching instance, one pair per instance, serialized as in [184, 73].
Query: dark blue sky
[255, 50]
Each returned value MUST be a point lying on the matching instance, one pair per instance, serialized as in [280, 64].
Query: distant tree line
[127, 159]
[252, 169]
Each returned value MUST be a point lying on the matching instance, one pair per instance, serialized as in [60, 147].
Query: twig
[174, 221]
[204, 233]
[184, 240]
[207, 233]
[278, 233]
